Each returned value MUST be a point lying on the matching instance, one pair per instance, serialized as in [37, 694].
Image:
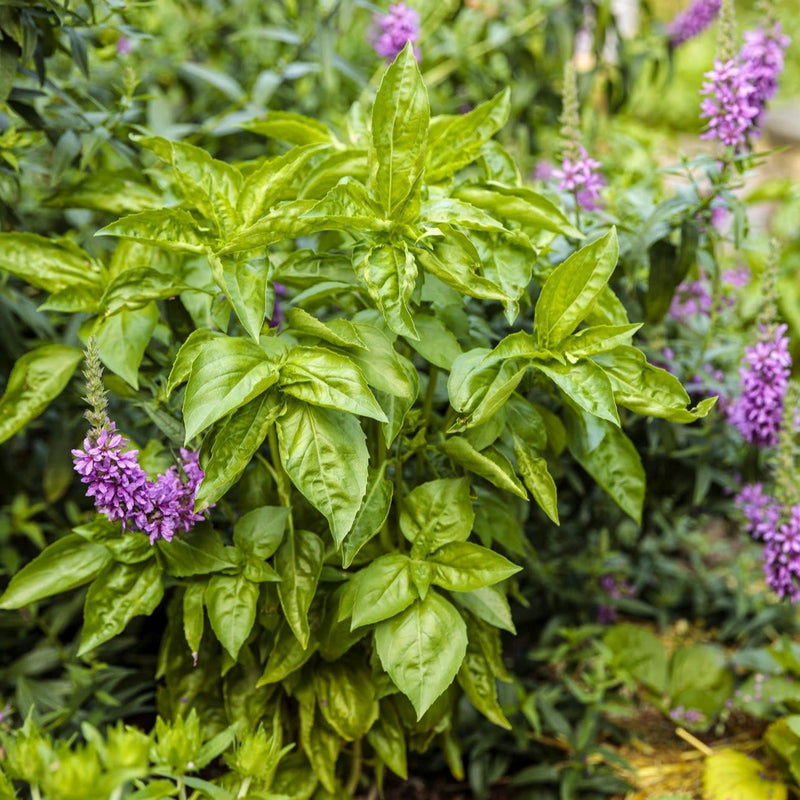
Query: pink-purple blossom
[394, 29]
[692, 21]
[757, 413]
[581, 176]
[691, 299]
[763, 55]
[123, 491]
[729, 104]
[779, 528]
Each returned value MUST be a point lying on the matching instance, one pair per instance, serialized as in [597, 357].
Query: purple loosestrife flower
[693, 21]
[762, 55]
[122, 491]
[729, 104]
[393, 29]
[757, 413]
[692, 299]
[580, 176]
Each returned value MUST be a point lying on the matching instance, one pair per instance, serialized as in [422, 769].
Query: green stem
[281, 478]
[35, 794]
[427, 403]
[245, 788]
[355, 769]
[181, 788]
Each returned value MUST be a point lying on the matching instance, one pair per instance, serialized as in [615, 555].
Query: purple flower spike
[693, 21]
[581, 177]
[398, 26]
[758, 411]
[762, 55]
[122, 491]
[729, 105]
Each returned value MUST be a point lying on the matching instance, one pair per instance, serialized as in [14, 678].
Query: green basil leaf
[117, 595]
[387, 737]
[436, 343]
[66, 564]
[286, 656]
[194, 615]
[585, 384]
[383, 367]
[259, 532]
[389, 271]
[537, 478]
[437, 512]
[321, 745]
[231, 601]
[325, 455]
[610, 457]
[234, 445]
[322, 377]
[489, 604]
[370, 517]
[198, 552]
[298, 561]
[289, 127]
[227, 373]
[285, 221]
[400, 118]
[596, 339]
[339, 332]
[246, 286]
[464, 567]
[52, 266]
[169, 228]
[382, 590]
[137, 286]
[490, 464]
[572, 289]
[347, 698]
[123, 338]
[36, 379]
[422, 649]
[456, 140]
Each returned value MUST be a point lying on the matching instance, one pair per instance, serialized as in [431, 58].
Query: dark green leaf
[231, 602]
[298, 561]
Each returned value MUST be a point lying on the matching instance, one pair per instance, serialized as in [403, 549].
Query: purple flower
[277, 311]
[122, 491]
[762, 55]
[693, 21]
[123, 46]
[757, 412]
[729, 104]
[580, 176]
[691, 299]
[393, 29]
[781, 535]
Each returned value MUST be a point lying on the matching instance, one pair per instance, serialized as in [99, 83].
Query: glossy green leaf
[66, 564]
[479, 385]
[437, 512]
[526, 422]
[456, 140]
[46, 264]
[123, 339]
[389, 272]
[194, 615]
[235, 444]
[322, 377]
[339, 332]
[227, 373]
[489, 604]
[285, 221]
[382, 590]
[669, 265]
[383, 367]
[298, 561]
[169, 228]
[285, 656]
[36, 379]
[290, 127]
[610, 457]
[422, 649]
[477, 674]
[572, 289]
[246, 283]
[639, 652]
[325, 455]
[259, 532]
[370, 517]
[646, 389]
[596, 339]
[450, 211]
[321, 746]
[137, 286]
[436, 343]
[117, 595]
[347, 698]
[119, 192]
[188, 352]
[198, 552]
[387, 738]
[490, 464]
[585, 384]
[464, 567]
[519, 204]
[400, 118]
[348, 206]
[454, 260]
[275, 180]
[210, 185]
[537, 478]
[231, 602]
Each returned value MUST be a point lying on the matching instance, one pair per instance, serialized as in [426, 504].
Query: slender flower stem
[245, 788]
